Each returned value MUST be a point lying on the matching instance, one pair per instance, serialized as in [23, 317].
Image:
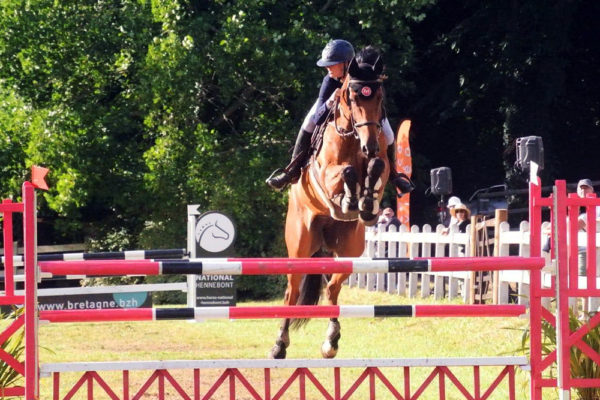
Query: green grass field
[252, 339]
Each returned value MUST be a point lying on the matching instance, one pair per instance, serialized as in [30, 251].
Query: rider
[336, 57]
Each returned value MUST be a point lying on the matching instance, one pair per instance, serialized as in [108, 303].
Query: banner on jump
[95, 301]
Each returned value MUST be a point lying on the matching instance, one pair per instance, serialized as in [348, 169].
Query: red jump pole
[350, 311]
[266, 266]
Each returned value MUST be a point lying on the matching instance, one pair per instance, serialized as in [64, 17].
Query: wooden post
[501, 215]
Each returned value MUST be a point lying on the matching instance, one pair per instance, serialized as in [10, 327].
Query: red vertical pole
[573, 243]
[535, 301]
[562, 285]
[302, 383]
[197, 384]
[372, 383]
[31, 276]
[125, 385]
[591, 246]
[161, 385]
[90, 387]
[9, 282]
[231, 384]
[442, 384]
[407, 382]
[56, 385]
[267, 383]
[476, 382]
[337, 383]
[511, 382]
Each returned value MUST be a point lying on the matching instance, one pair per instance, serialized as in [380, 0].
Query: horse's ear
[378, 67]
[353, 69]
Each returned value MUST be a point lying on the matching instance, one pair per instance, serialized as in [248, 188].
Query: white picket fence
[428, 243]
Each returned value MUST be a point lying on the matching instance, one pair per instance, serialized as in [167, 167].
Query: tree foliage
[140, 107]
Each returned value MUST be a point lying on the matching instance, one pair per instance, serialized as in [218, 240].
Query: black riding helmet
[335, 52]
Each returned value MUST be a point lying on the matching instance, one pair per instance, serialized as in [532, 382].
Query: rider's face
[336, 71]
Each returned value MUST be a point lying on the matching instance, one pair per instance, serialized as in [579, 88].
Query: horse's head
[362, 97]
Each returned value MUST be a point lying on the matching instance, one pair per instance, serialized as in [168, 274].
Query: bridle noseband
[343, 132]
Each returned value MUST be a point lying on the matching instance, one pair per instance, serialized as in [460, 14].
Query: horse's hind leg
[329, 347]
[369, 203]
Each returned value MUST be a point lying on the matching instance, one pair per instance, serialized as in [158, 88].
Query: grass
[361, 338]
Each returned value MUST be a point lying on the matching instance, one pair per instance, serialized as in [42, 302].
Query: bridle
[345, 132]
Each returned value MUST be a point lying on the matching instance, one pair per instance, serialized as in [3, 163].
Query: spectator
[449, 218]
[387, 218]
[585, 187]
[462, 215]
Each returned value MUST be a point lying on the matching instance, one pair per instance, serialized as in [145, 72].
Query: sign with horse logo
[210, 234]
[214, 233]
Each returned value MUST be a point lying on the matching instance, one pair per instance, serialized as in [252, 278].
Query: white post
[192, 212]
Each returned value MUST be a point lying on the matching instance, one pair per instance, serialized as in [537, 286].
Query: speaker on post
[441, 181]
[530, 148]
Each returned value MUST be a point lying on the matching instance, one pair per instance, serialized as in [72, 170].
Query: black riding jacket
[327, 88]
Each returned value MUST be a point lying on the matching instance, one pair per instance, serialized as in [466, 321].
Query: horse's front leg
[282, 342]
[329, 348]
[369, 203]
[351, 190]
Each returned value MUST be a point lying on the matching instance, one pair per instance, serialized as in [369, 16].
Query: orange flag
[37, 177]
[403, 164]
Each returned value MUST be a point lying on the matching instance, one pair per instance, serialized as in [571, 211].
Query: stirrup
[273, 174]
[403, 182]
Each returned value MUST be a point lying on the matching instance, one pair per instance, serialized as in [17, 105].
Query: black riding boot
[279, 179]
[400, 180]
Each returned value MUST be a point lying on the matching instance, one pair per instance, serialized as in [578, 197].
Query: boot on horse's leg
[369, 204]
[278, 351]
[401, 181]
[279, 179]
[329, 347]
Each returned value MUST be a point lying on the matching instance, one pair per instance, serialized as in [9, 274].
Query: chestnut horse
[337, 195]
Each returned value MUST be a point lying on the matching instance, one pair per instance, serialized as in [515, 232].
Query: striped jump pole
[266, 266]
[345, 311]
[109, 255]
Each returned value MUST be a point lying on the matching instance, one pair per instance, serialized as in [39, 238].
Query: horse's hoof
[327, 350]
[278, 352]
[368, 219]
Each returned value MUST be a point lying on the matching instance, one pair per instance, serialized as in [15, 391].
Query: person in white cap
[453, 201]
[585, 188]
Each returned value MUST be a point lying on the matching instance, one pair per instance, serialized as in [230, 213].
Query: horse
[337, 195]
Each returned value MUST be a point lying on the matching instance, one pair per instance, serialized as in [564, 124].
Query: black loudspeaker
[530, 148]
[441, 181]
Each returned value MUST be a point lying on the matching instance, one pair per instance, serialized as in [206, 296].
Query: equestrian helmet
[335, 52]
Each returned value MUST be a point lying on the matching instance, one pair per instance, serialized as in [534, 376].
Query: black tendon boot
[280, 178]
[400, 180]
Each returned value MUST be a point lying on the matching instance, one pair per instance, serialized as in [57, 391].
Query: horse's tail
[310, 292]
